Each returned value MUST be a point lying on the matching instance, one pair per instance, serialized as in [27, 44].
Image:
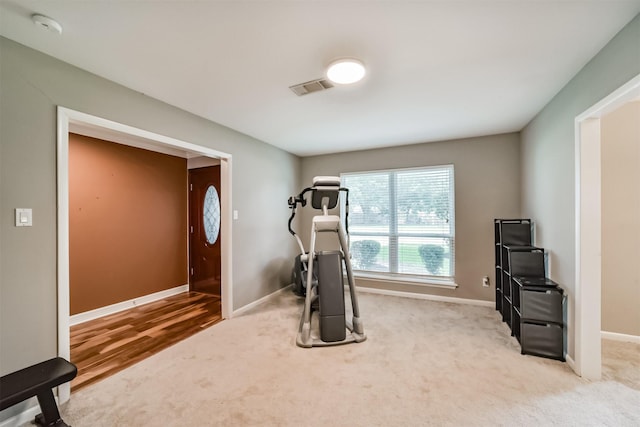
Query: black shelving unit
[538, 322]
[515, 232]
[528, 302]
[518, 261]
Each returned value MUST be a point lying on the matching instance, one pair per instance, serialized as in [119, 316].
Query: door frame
[71, 120]
[588, 225]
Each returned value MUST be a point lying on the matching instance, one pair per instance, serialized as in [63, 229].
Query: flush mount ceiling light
[46, 23]
[346, 71]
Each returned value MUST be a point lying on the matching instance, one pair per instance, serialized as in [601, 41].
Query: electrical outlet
[485, 281]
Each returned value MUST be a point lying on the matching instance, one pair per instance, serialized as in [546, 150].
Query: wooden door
[204, 230]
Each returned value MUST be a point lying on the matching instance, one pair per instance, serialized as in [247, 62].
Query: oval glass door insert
[211, 215]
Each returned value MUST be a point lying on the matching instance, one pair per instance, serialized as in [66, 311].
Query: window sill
[407, 280]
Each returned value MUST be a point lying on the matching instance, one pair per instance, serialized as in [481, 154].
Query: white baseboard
[26, 416]
[256, 303]
[614, 336]
[124, 305]
[571, 363]
[426, 296]
[249, 306]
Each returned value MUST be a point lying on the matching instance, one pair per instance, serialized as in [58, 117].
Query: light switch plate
[24, 217]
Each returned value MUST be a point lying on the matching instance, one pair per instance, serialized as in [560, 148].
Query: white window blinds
[402, 221]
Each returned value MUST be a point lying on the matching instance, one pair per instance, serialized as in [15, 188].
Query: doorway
[204, 230]
[89, 125]
[588, 222]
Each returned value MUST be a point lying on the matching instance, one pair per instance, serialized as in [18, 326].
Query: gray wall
[620, 139]
[548, 155]
[32, 85]
[487, 186]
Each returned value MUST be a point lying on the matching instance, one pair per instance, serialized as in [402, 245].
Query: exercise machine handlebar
[294, 201]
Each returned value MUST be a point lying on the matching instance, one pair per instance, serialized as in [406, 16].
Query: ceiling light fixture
[46, 23]
[346, 71]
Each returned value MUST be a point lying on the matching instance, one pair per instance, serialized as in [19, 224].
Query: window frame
[394, 235]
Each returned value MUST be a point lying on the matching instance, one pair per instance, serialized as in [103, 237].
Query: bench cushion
[34, 380]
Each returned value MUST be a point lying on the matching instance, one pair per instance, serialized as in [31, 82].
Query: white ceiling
[437, 70]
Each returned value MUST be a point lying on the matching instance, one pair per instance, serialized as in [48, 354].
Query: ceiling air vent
[310, 87]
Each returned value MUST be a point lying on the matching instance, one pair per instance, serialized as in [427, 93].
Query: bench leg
[50, 416]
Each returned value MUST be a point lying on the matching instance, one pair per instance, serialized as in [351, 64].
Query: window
[211, 215]
[401, 222]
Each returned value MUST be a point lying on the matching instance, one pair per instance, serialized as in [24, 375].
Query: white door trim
[70, 119]
[588, 244]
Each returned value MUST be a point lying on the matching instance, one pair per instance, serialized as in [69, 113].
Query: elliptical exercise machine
[319, 276]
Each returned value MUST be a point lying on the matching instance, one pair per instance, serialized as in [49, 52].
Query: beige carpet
[424, 363]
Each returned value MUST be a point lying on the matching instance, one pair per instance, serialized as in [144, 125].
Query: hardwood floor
[102, 347]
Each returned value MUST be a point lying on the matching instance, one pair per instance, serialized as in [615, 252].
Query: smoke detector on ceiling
[46, 23]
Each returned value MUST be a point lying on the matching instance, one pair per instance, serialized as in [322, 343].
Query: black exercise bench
[39, 381]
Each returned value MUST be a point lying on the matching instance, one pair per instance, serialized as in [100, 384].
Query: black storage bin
[527, 263]
[534, 283]
[541, 304]
[544, 340]
[516, 234]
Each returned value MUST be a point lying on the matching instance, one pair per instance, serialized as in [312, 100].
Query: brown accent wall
[128, 222]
